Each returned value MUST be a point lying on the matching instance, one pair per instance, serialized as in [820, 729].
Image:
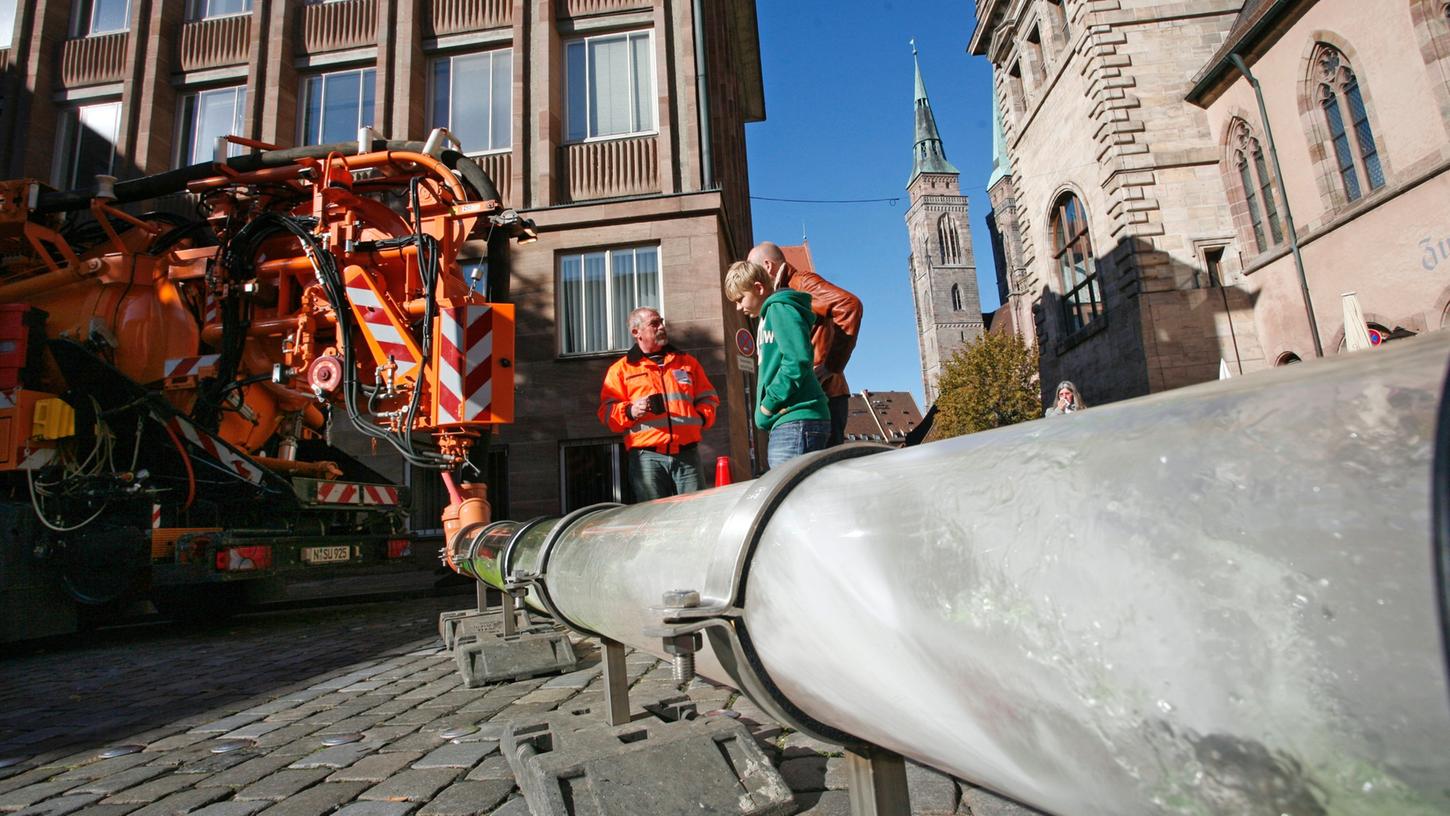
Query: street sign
[746, 364]
[745, 344]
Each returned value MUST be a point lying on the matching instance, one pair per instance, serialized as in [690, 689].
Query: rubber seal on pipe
[541, 585]
[506, 562]
[745, 525]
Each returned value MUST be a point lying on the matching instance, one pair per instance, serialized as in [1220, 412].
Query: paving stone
[574, 679]
[385, 734]
[209, 763]
[375, 768]
[460, 755]
[60, 805]
[245, 773]
[30, 794]
[109, 810]
[226, 724]
[230, 809]
[421, 741]
[254, 730]
[29, 776]
[176, 741]
[814, 773]
[513, 807]
[280, 785]
[182, 802]
[376, 809]
[798, 744]
[825, 803]
[985, 803]
[412, 785]
[154, 790]
[335, 756]
[931, 792]
[116, 782]
[287, 734]
[468, 798]
[104, 767]
[316, 800]
[495, 767]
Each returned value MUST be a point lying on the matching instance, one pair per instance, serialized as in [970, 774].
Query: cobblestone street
[242, 720]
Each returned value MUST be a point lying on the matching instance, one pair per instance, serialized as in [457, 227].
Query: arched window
[948, 243]
[1072, 251]
[956, 298]
[1351, 139]
[1256, 186]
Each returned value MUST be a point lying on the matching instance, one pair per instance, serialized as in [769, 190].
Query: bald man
[838, 320]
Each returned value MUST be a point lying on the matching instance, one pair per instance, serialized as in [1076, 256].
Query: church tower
[942, 270]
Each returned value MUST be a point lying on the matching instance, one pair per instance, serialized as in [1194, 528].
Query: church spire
[928, 155]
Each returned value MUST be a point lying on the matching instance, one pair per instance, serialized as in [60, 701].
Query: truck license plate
[326, 555]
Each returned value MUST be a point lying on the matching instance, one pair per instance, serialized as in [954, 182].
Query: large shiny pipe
[1220, 599]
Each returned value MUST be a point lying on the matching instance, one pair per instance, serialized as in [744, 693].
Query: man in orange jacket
[838, 320]
[661, 400]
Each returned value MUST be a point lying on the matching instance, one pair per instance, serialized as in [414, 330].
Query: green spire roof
[928, 155]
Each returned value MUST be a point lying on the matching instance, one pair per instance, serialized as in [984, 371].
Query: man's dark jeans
[656, 475]
[791, 439]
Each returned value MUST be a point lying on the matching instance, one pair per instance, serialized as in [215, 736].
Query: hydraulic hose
[1218, 599]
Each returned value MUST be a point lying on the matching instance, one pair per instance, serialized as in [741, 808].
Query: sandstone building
[941, 266]
[1146, 237]
[617, 125]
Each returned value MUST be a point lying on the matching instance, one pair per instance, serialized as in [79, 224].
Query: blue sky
[840, 125]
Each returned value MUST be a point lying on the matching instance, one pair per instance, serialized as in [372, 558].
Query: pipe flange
[506, 561]
[472, 544]
[541, 578]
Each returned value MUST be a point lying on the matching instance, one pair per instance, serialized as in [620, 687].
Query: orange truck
[168, 383]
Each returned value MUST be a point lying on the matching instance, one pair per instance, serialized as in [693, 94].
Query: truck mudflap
[200, 556]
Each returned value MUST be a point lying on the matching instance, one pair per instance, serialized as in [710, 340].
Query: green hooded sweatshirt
[788, 385]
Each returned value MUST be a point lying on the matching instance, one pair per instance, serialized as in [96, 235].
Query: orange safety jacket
[690, 400]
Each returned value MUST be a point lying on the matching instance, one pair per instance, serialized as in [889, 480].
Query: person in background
[661, 400]
[1068, 400]
[791, 404]
[833, 337]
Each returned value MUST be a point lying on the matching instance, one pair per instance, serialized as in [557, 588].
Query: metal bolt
[684, 666]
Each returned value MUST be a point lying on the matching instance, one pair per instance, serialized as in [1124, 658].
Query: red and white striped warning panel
[238, 462]
[384, 328]
[203, 366]
[353, 493]
[472, 384]
[155, 516]
[213, 311]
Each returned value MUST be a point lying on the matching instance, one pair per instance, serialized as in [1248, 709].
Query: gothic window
[1352, 144]
[956, 298]
[1256, 186]
[949, 245]
[1072, 251]
[1057, 14]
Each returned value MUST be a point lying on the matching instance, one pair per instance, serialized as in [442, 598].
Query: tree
[988, 383]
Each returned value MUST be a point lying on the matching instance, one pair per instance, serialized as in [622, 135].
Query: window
[1352, 143]
[1057, 16]
[957, 300]
[88, 144]
[429, 497]
[472, 97]
[207, 116]
[95, 17]
[598, 290]
[7, 23]
[1256, 186]
[949, 244]
[337, 105]
[591, 472]
[611, 86]
[1082, 302]
[207, 9]
[1213, 266]
[1035, 67]
[1016, 96]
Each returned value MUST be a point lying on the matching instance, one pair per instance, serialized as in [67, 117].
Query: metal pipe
[1243, 68]
[1217, 599]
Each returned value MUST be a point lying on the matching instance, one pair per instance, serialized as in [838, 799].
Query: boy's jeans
[791, 439]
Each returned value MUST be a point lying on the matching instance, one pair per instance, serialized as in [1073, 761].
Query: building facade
[1109, 198]
[1358, 101]
[617, 125]
[882, 416]
[941, 266]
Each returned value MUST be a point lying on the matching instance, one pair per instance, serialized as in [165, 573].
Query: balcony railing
[583, 8]
[499, 167]
[619, 167]
[93, 60]
[455, 16]
[215, 43]
[338, 26]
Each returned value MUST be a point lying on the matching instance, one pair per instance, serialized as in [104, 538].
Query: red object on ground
[722, 471]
